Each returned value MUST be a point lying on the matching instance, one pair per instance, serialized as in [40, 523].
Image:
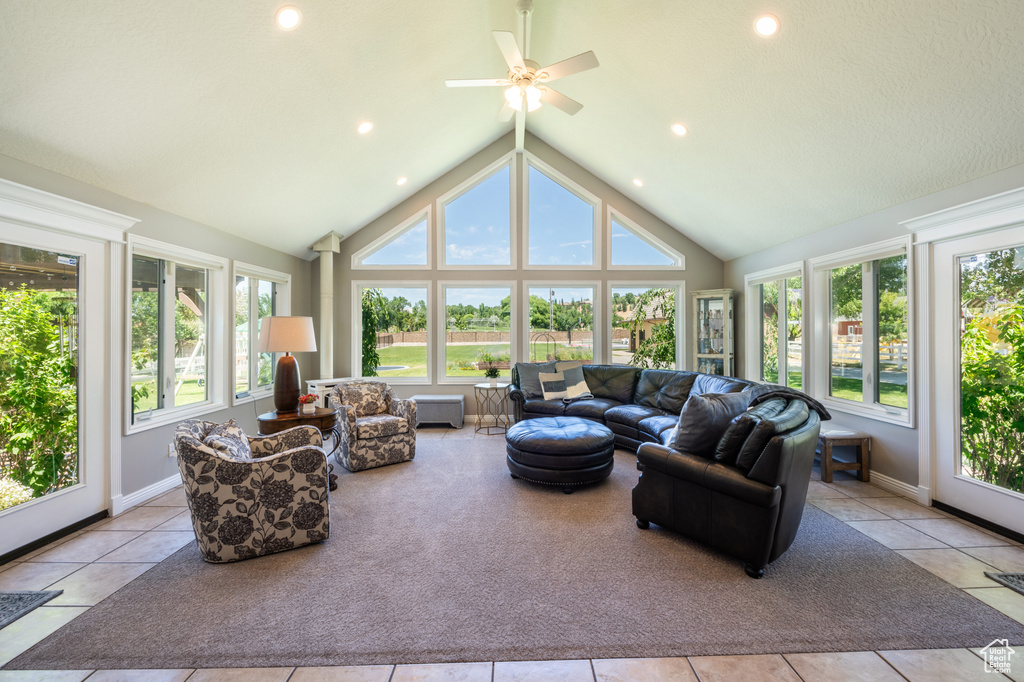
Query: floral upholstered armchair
[376, 427]
[252, 496]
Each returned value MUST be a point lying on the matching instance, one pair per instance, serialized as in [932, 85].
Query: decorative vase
[494, 382]
[308, 408]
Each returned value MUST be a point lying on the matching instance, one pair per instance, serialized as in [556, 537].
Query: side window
[644, 322]
[561, 323]
[258, 294]
[632, 247]
[478, 330]
[406, 246]
[394, 339]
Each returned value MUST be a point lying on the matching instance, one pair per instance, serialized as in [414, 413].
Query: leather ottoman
[562, 451]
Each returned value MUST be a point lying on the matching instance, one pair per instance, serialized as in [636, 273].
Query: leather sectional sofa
[731, 472]
[638, 405]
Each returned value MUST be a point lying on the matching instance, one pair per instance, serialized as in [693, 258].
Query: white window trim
[442, 240]
[820, 348]
[283, 280]
[441, 316]
[752, 317]
[680, 288]
[392, 234]
[638, 231]
[596, 321]
[357, 327]
[570, 186]
[218, 372]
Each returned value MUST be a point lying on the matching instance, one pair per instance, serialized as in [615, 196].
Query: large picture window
[478, 330]
[645, 322]
[258, 293]
[561, 323]
[478, 221]
[170, 330]
[866, 360]
[561, 222]
[780, 331]
[394, 324]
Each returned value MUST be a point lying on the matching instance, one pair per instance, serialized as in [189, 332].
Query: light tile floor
[93, 563]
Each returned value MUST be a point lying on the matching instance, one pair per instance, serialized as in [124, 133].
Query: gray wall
[703, 270]
[144, 459]
[894, 448]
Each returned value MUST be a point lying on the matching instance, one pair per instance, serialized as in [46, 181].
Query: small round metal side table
[492, 408]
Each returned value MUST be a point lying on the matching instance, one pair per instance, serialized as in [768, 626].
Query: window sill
[165, 418]
[253, 396]
[402, 381]
[893, 415]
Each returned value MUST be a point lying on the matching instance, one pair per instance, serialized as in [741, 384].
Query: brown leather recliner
[747, 500]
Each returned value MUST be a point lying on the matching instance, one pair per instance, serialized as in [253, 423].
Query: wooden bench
[861, 442]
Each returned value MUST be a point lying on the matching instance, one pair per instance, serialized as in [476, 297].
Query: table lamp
[283, 334]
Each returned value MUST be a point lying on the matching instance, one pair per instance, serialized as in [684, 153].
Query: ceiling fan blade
[520, 130]
[509, 50]
[476, 82]
[567, 67]
[506, 113]
[557, 99]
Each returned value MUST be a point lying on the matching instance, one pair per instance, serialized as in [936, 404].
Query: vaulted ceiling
[207, 110]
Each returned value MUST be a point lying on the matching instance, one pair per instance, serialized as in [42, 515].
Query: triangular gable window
[478, 220]
[631, 246]
[561, 222]
[405, 246]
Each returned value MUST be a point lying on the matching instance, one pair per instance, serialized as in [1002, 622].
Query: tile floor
[93, 563]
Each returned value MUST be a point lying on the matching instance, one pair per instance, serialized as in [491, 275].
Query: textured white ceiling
[206, 110]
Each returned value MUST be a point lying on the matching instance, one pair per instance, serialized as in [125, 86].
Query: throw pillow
[566, 382]
[367, 397]
[229, 440]
[795, 414]
[704, 419]
[575, 383]
[529, 377]
[741, 426]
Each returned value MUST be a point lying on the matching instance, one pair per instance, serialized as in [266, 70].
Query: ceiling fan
[526, 83]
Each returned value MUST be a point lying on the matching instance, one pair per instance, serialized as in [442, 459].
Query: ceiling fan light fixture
[533, 95]
[288, 17]
[514, 97]
[767, 25]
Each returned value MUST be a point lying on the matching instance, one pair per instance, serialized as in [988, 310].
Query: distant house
[653, 315]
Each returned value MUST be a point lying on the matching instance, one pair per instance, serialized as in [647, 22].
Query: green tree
[38, 392]
[992, 399]
[374, 308]
[658, 349]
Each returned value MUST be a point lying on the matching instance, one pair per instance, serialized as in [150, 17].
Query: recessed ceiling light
[638, 182]
[767, 25]
[288, 17]
[679, 129]
[402, 181]
[365, 127]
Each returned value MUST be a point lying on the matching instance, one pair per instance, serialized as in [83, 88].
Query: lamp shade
[284, 334]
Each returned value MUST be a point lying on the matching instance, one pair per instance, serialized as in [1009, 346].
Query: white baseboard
[895, 486]
[122, 503]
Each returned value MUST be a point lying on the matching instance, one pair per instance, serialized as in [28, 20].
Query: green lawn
[894, 395]
[190, 392]
[415, 358]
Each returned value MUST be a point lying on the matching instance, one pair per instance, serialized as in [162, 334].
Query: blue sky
[629, 249]
[477, 224]
[565, 293]
[408, 248]
[412, 295]
[561, 224]
[474, 296]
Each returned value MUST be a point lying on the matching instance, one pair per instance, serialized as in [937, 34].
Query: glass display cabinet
[713, 339]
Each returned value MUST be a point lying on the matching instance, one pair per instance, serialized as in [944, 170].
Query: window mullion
[254, 330]
[783, 333]
[869, 333]
[168, 338]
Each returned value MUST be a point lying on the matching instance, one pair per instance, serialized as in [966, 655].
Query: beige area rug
[446, 558]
